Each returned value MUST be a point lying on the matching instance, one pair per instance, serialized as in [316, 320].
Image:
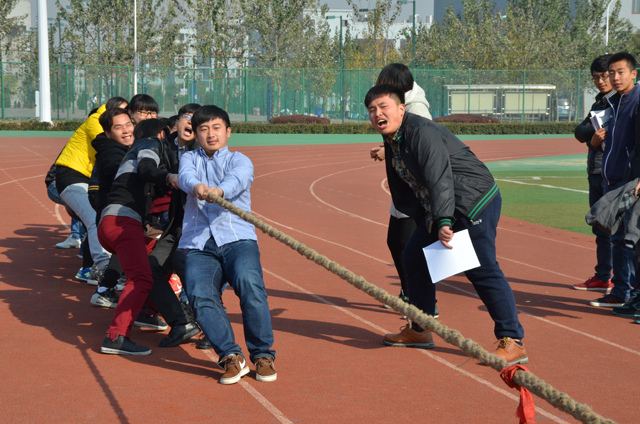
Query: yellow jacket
[79, 154]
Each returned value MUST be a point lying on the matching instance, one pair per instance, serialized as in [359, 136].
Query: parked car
[566, 111]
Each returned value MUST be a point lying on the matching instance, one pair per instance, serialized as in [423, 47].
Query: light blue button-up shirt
[233, 173]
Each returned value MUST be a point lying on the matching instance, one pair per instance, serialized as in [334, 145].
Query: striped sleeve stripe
[487, 197]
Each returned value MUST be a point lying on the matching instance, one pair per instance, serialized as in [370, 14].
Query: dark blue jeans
[603, 240]
[239, 264]
[624, 258]
[488, 279]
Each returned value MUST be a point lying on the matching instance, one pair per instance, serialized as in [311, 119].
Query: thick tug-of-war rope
[528, 380]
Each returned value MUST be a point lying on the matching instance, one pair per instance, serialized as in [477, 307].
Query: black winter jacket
[585, 131]
[142, 175]
[109, 154]
[458, 183]
[178, 197]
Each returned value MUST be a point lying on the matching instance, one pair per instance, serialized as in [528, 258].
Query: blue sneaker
[83, 274]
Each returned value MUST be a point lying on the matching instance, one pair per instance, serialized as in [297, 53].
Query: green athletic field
[551, 191]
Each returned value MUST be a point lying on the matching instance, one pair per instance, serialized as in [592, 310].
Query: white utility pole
[606, 37]
[43, 63]
[135, 47]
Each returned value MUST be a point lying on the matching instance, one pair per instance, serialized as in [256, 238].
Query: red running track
[331, 363]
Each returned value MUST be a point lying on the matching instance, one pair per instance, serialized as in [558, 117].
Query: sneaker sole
[111, 351]
[627, 314]
[244, 371]
[425, 345]
[520, 361]
[606, 305]
[102, 303]
[591, 289]
[266, 378]
[92, 282]
[81, 279]
[149, 326]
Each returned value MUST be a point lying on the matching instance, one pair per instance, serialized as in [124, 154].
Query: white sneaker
[69, 243]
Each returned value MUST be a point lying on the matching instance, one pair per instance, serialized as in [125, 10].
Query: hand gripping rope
[520, 378]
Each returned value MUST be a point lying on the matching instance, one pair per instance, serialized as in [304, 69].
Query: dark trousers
[124, 237]
[487, 279]
[398, 234]
[623, 258]
[603, 240]
[161, 294]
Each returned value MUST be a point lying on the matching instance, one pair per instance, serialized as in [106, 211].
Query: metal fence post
[66, 65]
[524, 86]
[2, 86]
[246, 94]
[469, 94]
[304, 98]
[578, 102]
[359, 105]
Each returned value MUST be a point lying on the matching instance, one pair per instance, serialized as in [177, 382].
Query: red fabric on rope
[526, 410]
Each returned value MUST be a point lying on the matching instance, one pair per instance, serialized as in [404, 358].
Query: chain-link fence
[256, 95]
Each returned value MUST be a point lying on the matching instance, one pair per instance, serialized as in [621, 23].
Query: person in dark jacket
[455, 191]
[142, 172]
[619, 143]
[586, 133]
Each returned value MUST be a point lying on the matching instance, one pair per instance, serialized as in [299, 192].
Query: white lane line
[57, 210]
[336, 208]
[546, 238]
[591, 336]
[540, 269]
[304, 167]
[543, 185]
[28, 192]
[612, 344]
[264, 218]
[22, 179]
[429, 354]
[256, 394]
[384, 188]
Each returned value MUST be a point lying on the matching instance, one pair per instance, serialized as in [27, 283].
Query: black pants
[399, 233]
[161, 294]
[487, 279]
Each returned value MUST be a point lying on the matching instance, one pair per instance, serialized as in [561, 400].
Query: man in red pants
[142, 173]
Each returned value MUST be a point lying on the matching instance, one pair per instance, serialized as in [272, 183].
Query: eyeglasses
[147, 113]
[186, 117]
[601, 77]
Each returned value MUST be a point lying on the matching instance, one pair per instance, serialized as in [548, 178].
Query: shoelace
[262, 361]
[504, 342]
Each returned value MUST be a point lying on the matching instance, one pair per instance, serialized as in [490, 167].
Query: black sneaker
[204, 343]
[122, 346]
[145, 319]
[107, 299]
[608, 301]
[179, 334]
[629, 309]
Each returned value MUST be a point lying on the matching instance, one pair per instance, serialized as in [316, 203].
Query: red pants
[125, 238]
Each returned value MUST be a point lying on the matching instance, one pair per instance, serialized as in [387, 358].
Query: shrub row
[363, 128]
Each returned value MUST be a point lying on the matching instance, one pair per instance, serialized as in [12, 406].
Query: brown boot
[408, 337]
[511, 351]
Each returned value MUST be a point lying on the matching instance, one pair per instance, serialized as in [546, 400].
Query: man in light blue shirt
[223, 247]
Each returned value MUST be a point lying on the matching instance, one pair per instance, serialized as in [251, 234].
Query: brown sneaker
[265, 371]
[235, 367]
[408, 337]
[511, 351]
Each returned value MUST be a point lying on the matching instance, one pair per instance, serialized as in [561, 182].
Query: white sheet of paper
[444, 263]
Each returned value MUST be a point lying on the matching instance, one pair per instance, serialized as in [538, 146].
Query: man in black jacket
[586, 133]
[455, 191]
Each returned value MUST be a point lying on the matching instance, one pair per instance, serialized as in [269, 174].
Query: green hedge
[364, 128]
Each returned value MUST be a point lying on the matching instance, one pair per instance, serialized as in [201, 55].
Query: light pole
[413, 34]
[606, 37]
[135, 47]
[341, 68]
[43, 64]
